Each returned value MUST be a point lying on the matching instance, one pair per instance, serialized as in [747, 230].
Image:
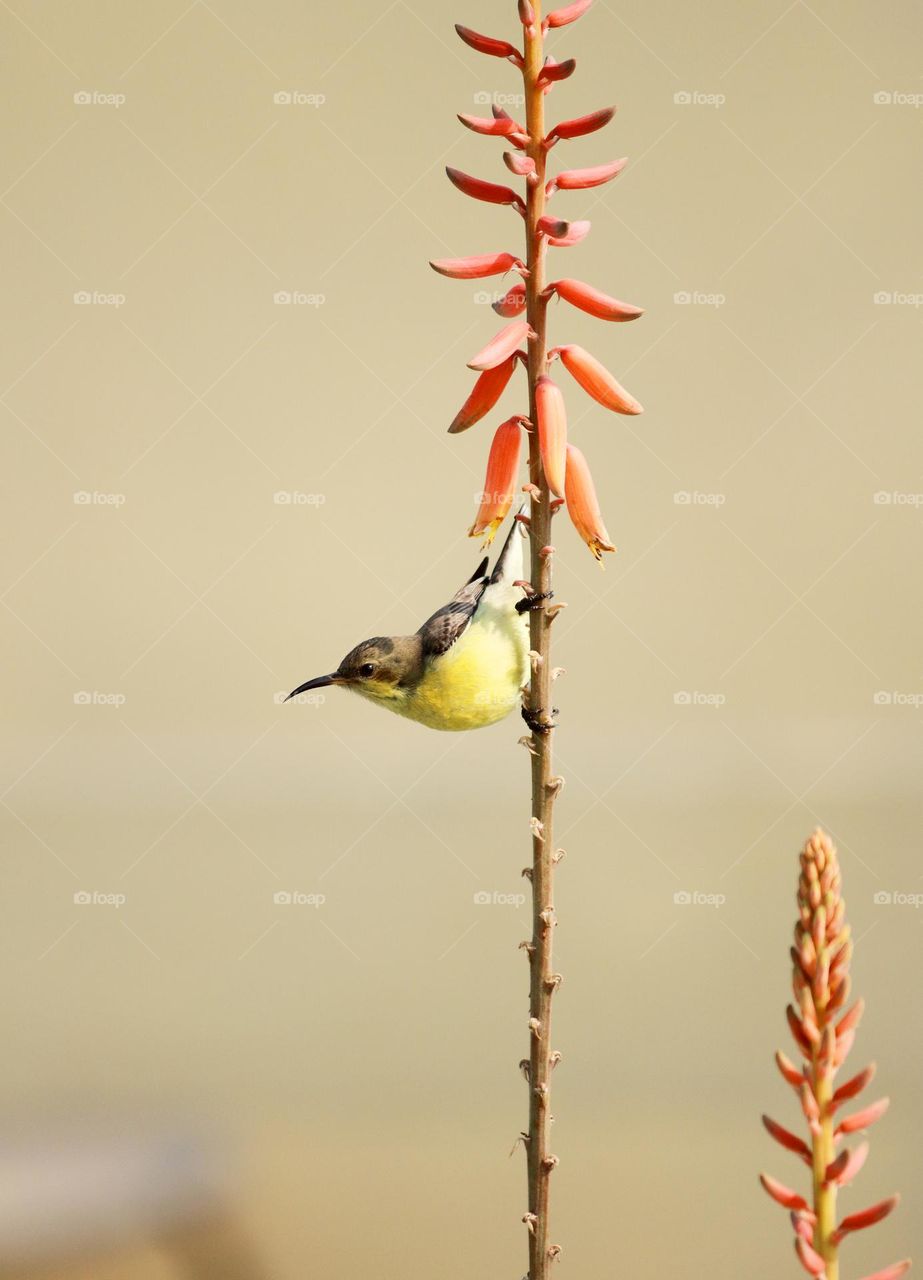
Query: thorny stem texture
[543, 983]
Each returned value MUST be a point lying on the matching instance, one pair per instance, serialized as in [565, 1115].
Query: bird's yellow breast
[478, 681]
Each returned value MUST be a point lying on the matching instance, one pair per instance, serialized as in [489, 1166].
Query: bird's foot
[532, 600]
[538, 721]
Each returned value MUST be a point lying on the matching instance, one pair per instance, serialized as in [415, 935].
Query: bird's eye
[367, 669]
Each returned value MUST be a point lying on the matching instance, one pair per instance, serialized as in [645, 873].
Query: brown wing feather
[440, 632]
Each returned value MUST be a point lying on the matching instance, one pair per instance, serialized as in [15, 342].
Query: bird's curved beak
[319, 682]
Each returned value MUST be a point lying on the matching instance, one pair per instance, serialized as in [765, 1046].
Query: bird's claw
[533, 601]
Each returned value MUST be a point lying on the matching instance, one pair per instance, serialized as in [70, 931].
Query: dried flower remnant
[824, 1035]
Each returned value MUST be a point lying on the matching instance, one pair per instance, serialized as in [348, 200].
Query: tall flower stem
[543, 981]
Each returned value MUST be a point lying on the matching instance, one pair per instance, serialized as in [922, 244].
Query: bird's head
[382, 668]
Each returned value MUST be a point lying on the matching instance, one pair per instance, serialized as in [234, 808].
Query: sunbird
[465, 668]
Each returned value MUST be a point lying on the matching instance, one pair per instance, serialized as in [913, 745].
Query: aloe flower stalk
[824, 1032]
[558, 476]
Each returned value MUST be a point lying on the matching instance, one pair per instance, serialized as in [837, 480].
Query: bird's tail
[508, 568]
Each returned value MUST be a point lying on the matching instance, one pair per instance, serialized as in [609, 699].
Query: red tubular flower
[500, 483]
[485, 393]
[478, 189]
[786, 1139]
[812, 1262]
[853, 1086]
[522, 166]
[862, 1119]
[476, 268]
[782, 1195]
[582, 504]
[501, 346]
[487, 44]
[581, 125]
[591, 300]
[866, 1217]
[553, 71]
[570, 13]
[578, 179]
[596, 380]
[789, 1071]
[576, 231]
[552, 433]
[844, 1168]
[491, 128]
[513, 302]
[894, 1272]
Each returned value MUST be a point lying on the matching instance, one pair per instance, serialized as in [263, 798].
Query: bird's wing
[447, 624]
[440, 632]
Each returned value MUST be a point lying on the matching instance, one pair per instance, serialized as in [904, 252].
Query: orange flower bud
[513, 302]
[862, 1119]
[500, 484]
[865, 1218]
[593, 301]
[553, 71]
[847, 1164]
[502, 345]
[552, 433]
[597, 381]
[576, 231]
[582, 505]
[782, 1195]
[488, 44]
[478, 189]
[809, 1258]
[583, 125]
[894, 1272]
[485, 393]
[492, 128]
[570, 13]
[477, 267]
[577, 179]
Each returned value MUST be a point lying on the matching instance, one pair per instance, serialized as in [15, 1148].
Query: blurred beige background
[748, 666]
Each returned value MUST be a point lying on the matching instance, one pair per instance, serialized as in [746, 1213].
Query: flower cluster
[824, 1030]
[565, 474]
